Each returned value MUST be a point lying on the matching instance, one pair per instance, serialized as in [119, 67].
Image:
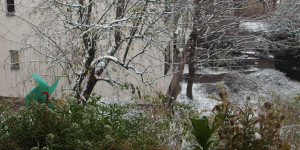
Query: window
[14, 57]
[10, 7]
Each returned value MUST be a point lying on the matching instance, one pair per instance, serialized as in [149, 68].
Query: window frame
[10, 5]
[14, 59]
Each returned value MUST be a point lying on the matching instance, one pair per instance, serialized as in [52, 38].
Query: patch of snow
[249, 52]
[271, 56]
[254, 26]
[213, 70]
[222, 70]
[111, 58]
[260, 86]
[276, 82]
[123, 101]
[100, 60]
[177, 30]
[186, 69]
[100, 66]
[251, 58]
[201, 102]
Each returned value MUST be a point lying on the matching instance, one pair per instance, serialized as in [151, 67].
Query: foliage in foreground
[247, 128]
[72, 126]
[203, 132]
[96, 125]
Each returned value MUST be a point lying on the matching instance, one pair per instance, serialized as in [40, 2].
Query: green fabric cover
[36, 94]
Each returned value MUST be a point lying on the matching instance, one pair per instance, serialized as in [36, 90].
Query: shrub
[245, 127]
[72, 126]
[290, 130]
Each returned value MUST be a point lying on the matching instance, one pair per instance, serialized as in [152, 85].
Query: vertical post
[45, 111]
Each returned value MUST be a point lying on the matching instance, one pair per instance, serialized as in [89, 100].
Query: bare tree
[119, 42]
[218, 32]
[283, 38]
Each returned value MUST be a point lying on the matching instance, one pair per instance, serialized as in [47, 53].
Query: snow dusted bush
[249, 127]
[239, 82]
[247, 98]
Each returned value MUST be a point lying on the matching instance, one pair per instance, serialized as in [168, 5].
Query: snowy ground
[217, 70]
[259, 86]
[201, 101]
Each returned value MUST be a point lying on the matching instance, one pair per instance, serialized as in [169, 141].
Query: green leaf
[201, 130]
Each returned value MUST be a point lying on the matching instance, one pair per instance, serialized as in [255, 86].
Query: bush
[246, 127]
[290, 130]
[72, 126]
[96, 125]
[249, 127]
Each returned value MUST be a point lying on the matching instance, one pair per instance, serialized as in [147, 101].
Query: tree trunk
[178, 65]
[192, 51]
[191, 55]
[92, 80]
[191, 75]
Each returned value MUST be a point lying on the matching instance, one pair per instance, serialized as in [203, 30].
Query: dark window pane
[11, 6]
